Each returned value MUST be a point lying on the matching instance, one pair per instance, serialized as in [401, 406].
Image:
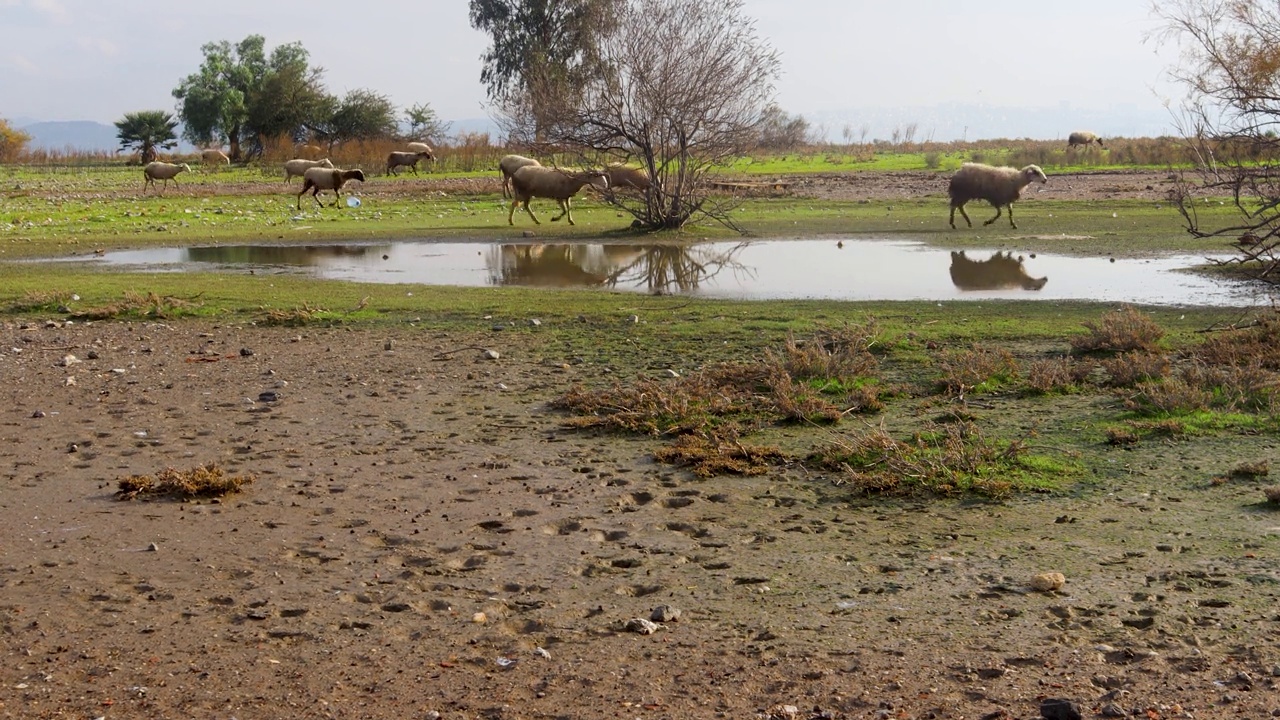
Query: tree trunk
[233, 138]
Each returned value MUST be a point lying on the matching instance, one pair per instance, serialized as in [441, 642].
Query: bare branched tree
[685, 86]
[1230, 66]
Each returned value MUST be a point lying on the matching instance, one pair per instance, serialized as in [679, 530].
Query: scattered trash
[542, 653]
[505, 662]
[641, 626]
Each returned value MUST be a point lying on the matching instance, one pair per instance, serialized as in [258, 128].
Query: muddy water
[828, 269]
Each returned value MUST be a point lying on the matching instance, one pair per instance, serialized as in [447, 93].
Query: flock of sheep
[525, 178]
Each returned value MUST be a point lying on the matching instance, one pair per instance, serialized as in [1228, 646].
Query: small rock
[388, 346]
[71, 380]
[1058, 709]
[1048, 582]
[1113, 710]
[542, 653]
[528, 234]
[535, 322]
[671, 373]
[499, 327]
[69, 360]
[634, 319]
[246, 352]
[37, 414]
[665, 613]
[641, 626]
[152, 547]
[491, 355]
[479, 618]
[268, 396]
[92, 355]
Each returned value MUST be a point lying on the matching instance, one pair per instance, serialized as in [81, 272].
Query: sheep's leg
[959, 207]
[1011, 222]
[526, 209]
[564, 210]
[997, 217]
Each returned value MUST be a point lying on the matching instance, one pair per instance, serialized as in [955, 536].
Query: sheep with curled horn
[508, 166]
[553, 183]
[300, 166]
[157, 170]
[317, 179]
[1000, 186]
[1083, 138]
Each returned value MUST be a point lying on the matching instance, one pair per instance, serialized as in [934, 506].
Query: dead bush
[711, 456]
[1258, 344]
[201, 481]
[964, 370]
[1055, 375]
[1171, 396]
[797, 402]
[1247, 387]
[1129, 369]
[1251, 470]
[1272, 494]
[843, 355]
[135, 304]
[1121, 436]
[1122, 330]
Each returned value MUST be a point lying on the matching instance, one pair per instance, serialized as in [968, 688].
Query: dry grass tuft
[1171, 396]
[1255, 345]
[1121, 436]
[49, 300]
[1273, 494]
[1250, 470]
[136, 304]
[708, 457]
[201, 481]
[1055, 375]
[301, 315]
[963, 370]
[1129, 369]
[1123, 330]
[842, 355]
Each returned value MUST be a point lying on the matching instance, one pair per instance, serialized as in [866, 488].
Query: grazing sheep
[533, 181]
[154, 171]
[1083, 138]
[1002, 270]
[214, 156]
[621, 176]
[396, 159]
[299, 167]
[420, 147]
[1000, 186]
[508, 166]
[317, 179]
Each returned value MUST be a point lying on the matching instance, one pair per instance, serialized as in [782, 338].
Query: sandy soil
[424, 537]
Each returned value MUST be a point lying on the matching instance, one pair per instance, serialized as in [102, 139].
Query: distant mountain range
[90, 136]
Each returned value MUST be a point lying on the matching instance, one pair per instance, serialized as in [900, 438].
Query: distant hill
[83, 135]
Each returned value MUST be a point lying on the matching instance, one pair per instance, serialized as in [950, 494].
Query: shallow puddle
[849, 269]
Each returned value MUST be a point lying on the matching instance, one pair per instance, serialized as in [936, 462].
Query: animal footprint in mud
[563, 527]
[693, 531]
[637, 590]
[677, 502]
[495, 526]
[633, 500]
[609, 535]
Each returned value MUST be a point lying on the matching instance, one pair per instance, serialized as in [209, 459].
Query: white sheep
[533, 181]
[1000, 186]
[214, 156]
[621, 176]
[299, 167]
[1083, 138]
[396, 159]
[508, 166]
[420, 147]
[317, 179]
[153, 171]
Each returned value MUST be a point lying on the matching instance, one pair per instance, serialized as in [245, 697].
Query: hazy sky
[98, 59]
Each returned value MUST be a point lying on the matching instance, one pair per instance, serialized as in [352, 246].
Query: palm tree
[145, 131]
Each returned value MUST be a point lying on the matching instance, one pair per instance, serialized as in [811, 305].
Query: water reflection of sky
[857, 270]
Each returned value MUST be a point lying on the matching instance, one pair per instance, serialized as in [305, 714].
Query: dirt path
[423, 536]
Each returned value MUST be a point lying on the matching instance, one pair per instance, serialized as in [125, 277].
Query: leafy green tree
[425, 125]
[214, 102]
[362, 115]
[291, 100]
[12, 141]
[147, 130]
[542, 52]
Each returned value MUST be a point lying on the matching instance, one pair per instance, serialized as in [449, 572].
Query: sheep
[533, 181]
[508, 166]
[153, 171]
[299, 167]
[1083, 138]
[1002, 270]
[396, 159]
[420, 147]
[621, 176]
[317, 178]
[1000, 186]
[214, 156]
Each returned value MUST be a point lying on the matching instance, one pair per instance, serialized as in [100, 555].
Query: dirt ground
[423, 536]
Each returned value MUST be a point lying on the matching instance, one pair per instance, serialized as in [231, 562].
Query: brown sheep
[623, 176]
[1083, 138]
[317, 179]
[396, 159]
[154, 171]
[536, 181]
[1000, 186]
[508, 166]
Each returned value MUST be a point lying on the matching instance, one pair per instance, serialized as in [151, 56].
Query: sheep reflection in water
[660, 269]
[999, 272]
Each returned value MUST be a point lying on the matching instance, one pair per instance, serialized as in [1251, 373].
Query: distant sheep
[299, 167]
[533, 181]
[1001, 271]
[623, 176]
[1000, 186]
[421, 147]
[154, 171]
[397, 159]
[214, 156]
[508, 166]
[317, 179]
[1083, 138]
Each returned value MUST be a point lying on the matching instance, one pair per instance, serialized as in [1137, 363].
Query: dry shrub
[52, 300]
[842, 355]
[1052, 375]
[1122, 330]
[1251, 470]
[711, 456]
[1129, 369]
[301, 315]
[200, 481]
[1171, 396]
[1121, 436]
[668, 407]
[1258, 344]
[1273, 494]
[1168, 427]
[1247, 387]
[963, 370]
[148, 305]
[797, 402]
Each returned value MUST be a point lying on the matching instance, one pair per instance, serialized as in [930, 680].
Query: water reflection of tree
[658, 269]
[663, 269]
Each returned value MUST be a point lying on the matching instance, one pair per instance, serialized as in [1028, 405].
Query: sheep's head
[1032, 173]
[598, 179]
[325, 163]
[356, 174]
[425, 155]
